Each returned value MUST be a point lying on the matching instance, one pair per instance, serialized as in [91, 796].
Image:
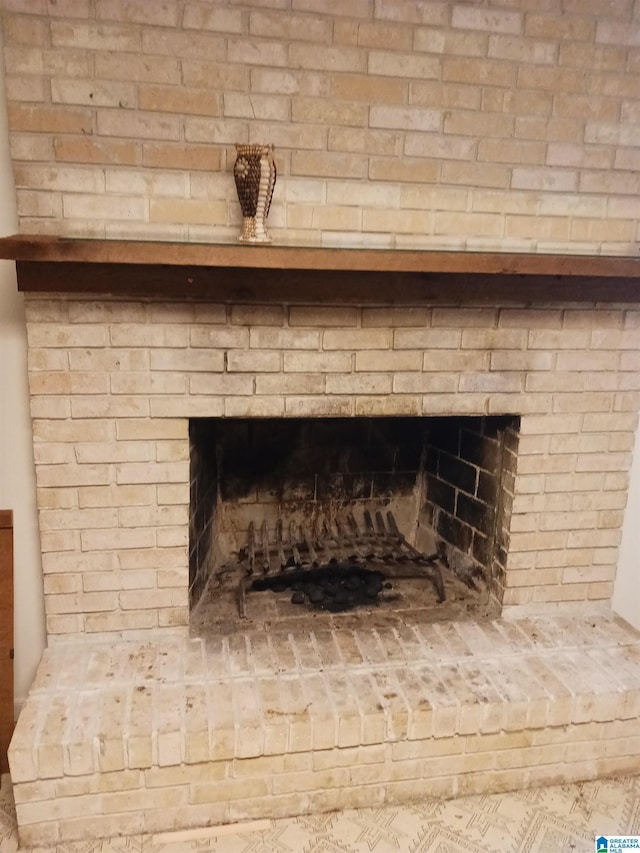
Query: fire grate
[350, 560]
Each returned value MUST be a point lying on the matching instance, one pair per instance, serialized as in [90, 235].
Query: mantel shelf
[267, 272]
[24, 247]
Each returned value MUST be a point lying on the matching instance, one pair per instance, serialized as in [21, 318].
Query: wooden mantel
[303, 274]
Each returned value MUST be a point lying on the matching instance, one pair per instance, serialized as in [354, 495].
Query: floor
[560, 819]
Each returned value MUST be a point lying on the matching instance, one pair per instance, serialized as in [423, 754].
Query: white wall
[17, 475]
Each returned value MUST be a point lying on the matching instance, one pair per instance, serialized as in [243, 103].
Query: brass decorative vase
[254, 172]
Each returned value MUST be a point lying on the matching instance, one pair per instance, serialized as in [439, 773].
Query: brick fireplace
[117, 376]
[132, 724]
[399, 126]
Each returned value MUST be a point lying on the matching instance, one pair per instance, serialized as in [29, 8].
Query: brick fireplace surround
[134, 726]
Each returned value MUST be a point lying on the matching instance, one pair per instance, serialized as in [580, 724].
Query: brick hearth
[147, 737]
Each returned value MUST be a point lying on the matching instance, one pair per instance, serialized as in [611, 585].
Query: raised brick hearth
[134, 726]
[168, 734]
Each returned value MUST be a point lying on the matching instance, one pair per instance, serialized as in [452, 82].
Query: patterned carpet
[561, 819]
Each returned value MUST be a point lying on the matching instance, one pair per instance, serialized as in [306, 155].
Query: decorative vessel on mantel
[254, 172]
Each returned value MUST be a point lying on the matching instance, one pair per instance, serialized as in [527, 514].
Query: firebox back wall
[255, 470]
[114, 383]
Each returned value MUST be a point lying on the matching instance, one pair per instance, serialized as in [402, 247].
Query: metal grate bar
[341, 542]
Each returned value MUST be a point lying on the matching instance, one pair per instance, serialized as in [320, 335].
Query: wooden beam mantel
[302, 274]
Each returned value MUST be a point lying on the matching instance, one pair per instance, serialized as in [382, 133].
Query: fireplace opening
[298, 516]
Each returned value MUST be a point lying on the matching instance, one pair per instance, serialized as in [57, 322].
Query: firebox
[346, 514]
